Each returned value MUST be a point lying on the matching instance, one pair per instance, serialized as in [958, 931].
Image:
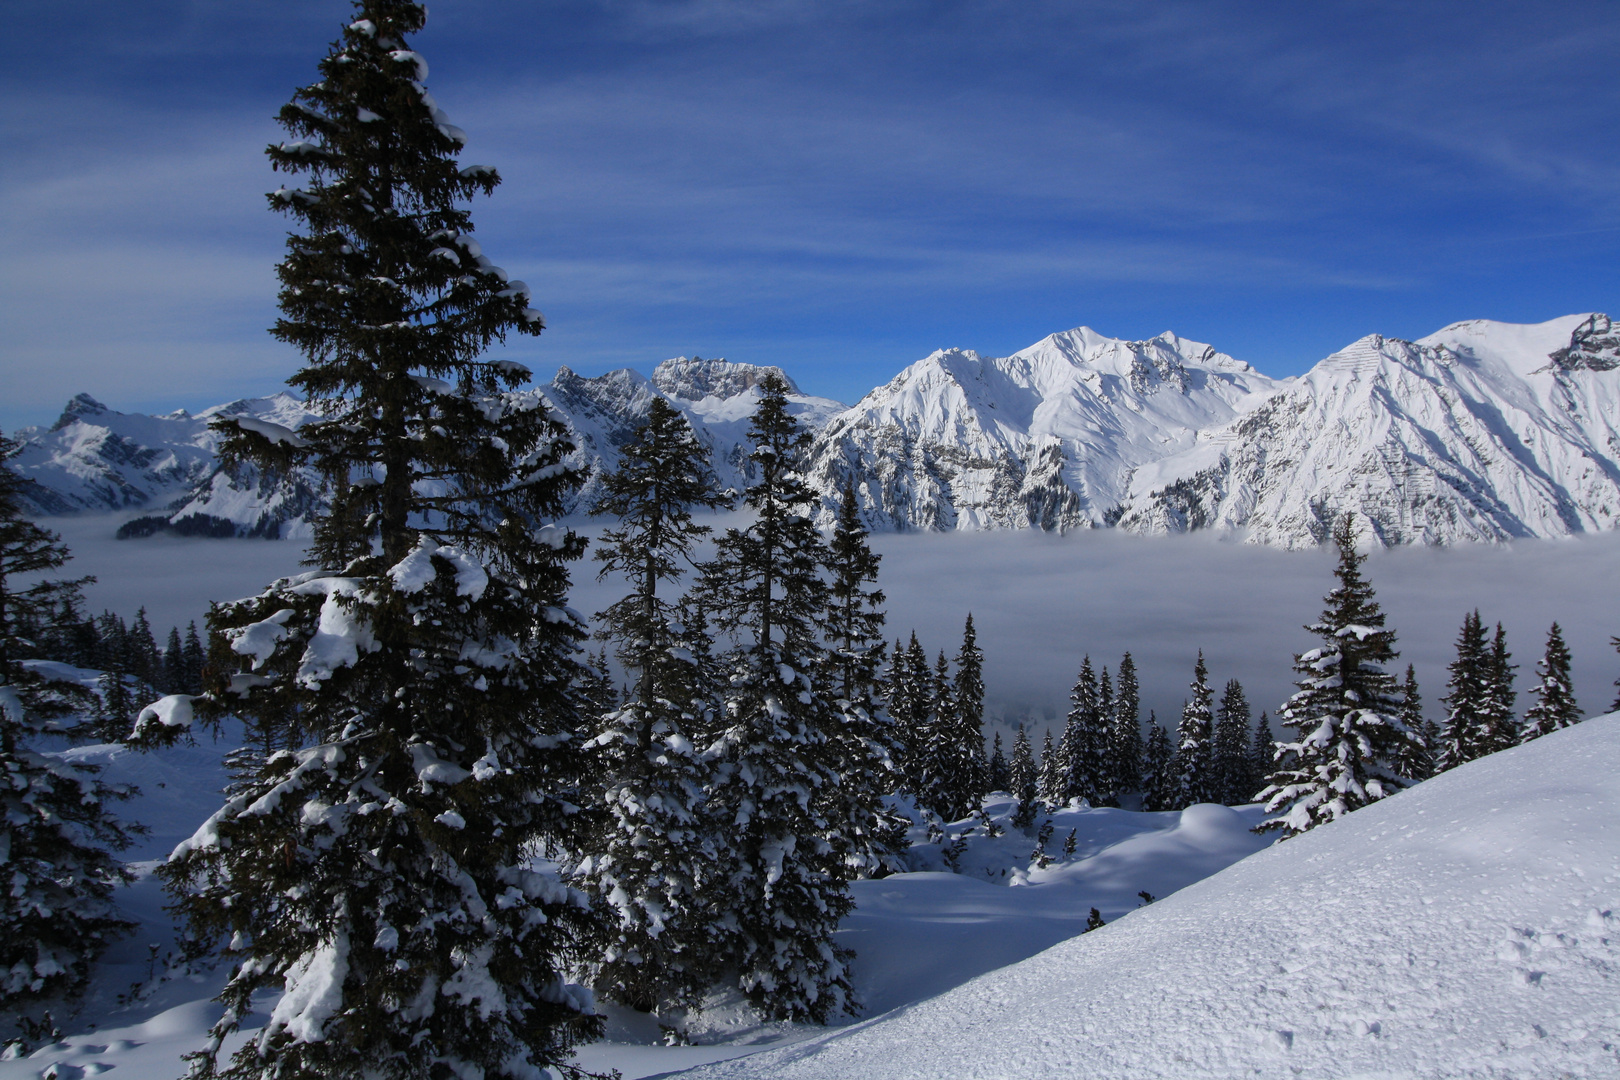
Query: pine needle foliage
[1345, 715]
[651, 861]
[777, 786]
[1555, 705]
[57, 831]
[1195, 742]
[414, 695]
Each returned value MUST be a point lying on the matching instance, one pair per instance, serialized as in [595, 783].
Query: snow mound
[1465, 928]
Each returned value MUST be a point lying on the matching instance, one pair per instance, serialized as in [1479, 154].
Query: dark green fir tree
[1501, 728]
[1417, 760]
[1161, 772]
[1231, 749]
[1125, 743]
[375, 869]
[1345, 715]
[1000, 773]
[785, 885]
[1085, 740]
[1262, 755]
[1195, 742]
[1021, 773]
[649, 865]
[57, 831]
[1555, 705]
[1463, 735]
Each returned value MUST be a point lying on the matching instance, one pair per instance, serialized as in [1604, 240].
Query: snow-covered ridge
[1465, 928]
[1046, 438]
[1482, 431]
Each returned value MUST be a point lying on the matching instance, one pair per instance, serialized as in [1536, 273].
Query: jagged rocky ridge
[1481, 431]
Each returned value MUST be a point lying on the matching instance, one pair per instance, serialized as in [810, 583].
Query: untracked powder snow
[1465, 928]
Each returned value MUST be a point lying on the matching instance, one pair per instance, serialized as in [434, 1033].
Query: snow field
[916, 934]
[1464, 928]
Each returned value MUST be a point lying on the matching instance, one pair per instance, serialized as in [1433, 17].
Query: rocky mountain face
[1045, 438]
[94, 458]
[1481, 431]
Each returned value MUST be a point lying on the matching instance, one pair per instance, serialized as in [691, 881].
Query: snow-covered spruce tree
[910, 701]
[1555, 705]
[1021, 773]
[1052, 779]
[1463, 735]
[56, 829]
[1195, 741]
[1125, 741]
[1501, 726]
[785, 885]
[1231, 750]
[377, 871]
[1085, 740]
[865, 740]
[648, 865]
[998, 773]
[1161, 773]
[1416, 761]
[967, 700]
[1262, 755]
[1345, 714]
[1106, 783]
[949, 764]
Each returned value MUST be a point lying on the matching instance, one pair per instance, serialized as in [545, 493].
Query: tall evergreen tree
[1463, 735]
[652, 861]
[56, 828]
[967, 698]
[1501, 725]
[952, 782]
[1195, 741]
[855, 623]
[194, 661]
[1161, 773]
[867, 741]
[1000, 773]
[1085, 740]
[785, 886]
[1231, 748]
[1052, 783]
[377, 871]
[1262, 755]
[1125, 749]
[1345, 714]
[1555, 705]
[1021, 774]
[174, 665]
[1416, 761]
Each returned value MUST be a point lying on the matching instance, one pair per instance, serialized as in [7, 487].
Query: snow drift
[1464, 928]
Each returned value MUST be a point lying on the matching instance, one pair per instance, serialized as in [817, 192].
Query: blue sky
[837, 187]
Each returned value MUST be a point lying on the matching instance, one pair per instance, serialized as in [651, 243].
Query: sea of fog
[1040, 602]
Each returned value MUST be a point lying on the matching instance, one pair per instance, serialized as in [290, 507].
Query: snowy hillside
[1482, 431]
[1466, 928]
[1045, 438]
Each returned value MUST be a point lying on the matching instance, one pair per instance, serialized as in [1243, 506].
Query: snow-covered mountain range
[1481, 431]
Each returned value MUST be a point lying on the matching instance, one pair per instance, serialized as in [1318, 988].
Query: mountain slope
[1045, 438]
[1466, 928]
[94, 458]
[1481, 431]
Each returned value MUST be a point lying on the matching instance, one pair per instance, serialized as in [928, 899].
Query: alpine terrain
[1482, 431]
